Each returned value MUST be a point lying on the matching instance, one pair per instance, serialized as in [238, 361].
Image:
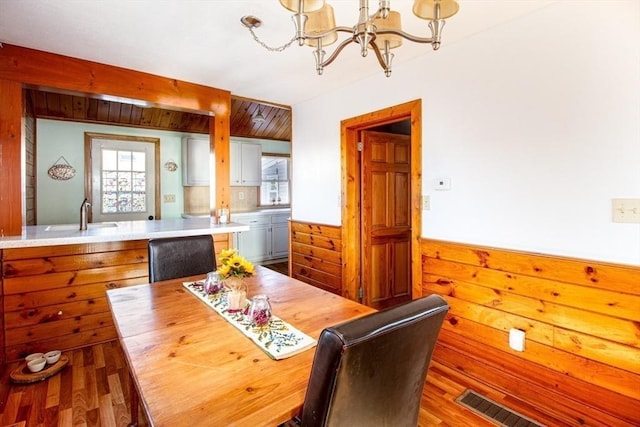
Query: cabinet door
[195, 162]
[280, 240]
[251, 164]
[235, 155]
[255, 244]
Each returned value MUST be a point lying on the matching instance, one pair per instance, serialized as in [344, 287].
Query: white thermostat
[442, 183]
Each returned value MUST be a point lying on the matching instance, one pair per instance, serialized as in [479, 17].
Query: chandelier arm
[336, 52]
[381, 60]
[306, 36]
[407, 36]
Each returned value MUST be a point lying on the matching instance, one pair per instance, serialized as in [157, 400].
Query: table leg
[135, 402]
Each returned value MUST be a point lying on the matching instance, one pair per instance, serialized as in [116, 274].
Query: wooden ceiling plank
[53, 105]
[125, 113]
[102, 115]
[79, 108]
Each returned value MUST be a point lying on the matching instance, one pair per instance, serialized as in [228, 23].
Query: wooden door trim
[350, 173]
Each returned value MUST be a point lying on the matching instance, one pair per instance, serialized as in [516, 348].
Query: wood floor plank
[53, 392]
[98, 356]
[65, 418]
[91, 387]
[107, 416]
[11, 408]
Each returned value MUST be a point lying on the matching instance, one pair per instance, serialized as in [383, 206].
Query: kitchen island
[55, 278]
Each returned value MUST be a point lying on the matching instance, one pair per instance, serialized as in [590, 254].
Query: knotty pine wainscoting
[54, 297]
[581, 362]
[316, 256]
[582, 321]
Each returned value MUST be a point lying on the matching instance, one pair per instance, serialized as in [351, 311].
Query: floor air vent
[493, 411]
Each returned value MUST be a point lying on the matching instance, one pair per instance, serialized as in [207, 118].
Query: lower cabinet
[267, 238]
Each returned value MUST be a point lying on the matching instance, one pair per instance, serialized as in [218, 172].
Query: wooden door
[386, 219]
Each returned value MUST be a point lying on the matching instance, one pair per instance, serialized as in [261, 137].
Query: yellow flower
[232, 264]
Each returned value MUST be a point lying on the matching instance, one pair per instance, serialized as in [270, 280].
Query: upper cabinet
[246, 166]
[195, 161]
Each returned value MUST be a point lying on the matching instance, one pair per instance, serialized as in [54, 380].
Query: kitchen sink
[73, 227]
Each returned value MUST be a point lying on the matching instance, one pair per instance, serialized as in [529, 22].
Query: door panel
[386, 219]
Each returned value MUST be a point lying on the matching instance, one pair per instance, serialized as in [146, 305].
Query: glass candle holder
[260, 311]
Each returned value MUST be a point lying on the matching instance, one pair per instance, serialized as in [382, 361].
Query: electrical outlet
[516, 339]
[626, 210]
[426, 203]
[169, 198]
[240, 195]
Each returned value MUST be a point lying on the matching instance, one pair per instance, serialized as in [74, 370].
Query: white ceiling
[203, 41]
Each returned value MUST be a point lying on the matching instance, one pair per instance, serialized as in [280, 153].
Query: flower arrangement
[234, 265]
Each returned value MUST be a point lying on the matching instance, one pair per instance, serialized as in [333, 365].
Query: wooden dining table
[191, 367]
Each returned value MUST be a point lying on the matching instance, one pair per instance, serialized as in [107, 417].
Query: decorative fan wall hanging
[61, 171]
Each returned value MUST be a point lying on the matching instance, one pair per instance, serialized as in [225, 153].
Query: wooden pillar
[10, 158]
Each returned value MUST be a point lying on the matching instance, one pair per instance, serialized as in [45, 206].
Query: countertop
[263, 211]
[68, 234]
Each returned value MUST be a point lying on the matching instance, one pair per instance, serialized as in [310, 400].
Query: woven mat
[278, 338]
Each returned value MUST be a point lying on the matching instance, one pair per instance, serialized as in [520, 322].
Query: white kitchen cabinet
[255, 244]
[246, 166]
[195, 161]
[279, 236]
[267, 238]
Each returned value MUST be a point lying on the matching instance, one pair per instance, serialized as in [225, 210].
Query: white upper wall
[536, 122]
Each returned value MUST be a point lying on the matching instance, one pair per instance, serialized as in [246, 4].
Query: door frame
[88, 164]
[350, 192]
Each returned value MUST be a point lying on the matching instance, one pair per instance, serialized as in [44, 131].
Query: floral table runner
[278, 339]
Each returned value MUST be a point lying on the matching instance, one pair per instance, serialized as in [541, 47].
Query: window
[275, 180]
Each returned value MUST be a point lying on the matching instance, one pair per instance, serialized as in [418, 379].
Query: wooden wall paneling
[617, 278]
[569, 400]
[55, 296]
[315, 256]
[582, 340]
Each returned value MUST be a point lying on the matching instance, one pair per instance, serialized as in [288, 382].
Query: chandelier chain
[269, 48]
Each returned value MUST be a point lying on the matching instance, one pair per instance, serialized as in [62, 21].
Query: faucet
[83, 214]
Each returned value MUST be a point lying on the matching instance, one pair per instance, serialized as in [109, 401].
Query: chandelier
[381, 31]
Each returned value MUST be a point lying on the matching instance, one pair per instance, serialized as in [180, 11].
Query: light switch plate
[626, 210]
[426, 203]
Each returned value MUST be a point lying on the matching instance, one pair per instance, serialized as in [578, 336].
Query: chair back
[371, 371]
[173, 257]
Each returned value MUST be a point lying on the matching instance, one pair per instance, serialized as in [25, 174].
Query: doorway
[122, 179]
[365, 277]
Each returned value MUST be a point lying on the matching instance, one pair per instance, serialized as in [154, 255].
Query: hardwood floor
[93, 390]
[280, 267]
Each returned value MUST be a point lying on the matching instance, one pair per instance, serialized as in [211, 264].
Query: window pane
[138, 161]
[124, 160]
[109, 161]
[275, 181]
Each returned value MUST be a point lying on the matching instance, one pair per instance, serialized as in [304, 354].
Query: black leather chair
[173, 257]
[371, 371]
